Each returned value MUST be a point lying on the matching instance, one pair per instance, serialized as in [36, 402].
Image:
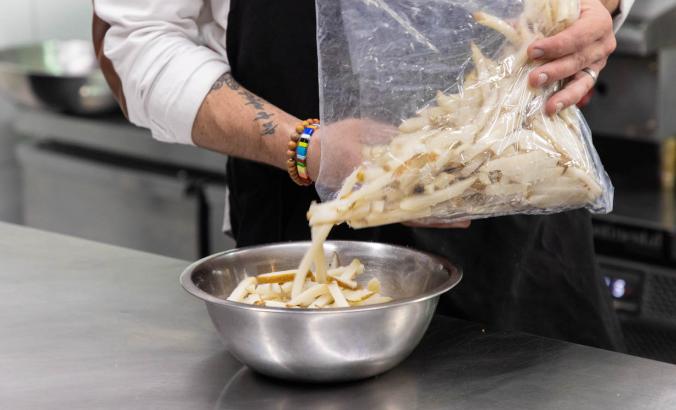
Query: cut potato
[253, 299]
[274, 303]
[339, 299]
[357, 295]
[342, 290]
[276, 277]
[308, 296]
[374, 299]
[373, 285]
[241, 291]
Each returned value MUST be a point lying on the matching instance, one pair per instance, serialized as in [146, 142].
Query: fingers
[589, 40]
[568, 66]
[573, 92]
[569, 41]
[594, 25]
[587, 43]
[586, 99]
[454, 225]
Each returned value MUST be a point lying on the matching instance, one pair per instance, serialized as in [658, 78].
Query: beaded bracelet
[297, 153]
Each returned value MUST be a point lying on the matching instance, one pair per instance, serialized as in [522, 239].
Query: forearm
[235, 122]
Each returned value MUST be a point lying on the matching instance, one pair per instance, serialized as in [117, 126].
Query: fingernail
[536, 53]
[542, 79]
[559, 107]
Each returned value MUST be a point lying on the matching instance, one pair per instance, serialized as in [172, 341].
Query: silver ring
[593, 74]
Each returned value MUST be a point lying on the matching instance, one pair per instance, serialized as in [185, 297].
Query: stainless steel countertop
[91, 326]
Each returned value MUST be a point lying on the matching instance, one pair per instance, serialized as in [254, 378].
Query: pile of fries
[337, 290]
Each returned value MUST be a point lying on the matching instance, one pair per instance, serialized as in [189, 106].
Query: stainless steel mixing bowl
[58, 75]
[323, 345]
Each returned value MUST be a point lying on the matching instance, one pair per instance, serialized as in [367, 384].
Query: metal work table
[91, 326]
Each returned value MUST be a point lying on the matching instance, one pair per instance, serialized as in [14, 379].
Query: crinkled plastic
[427, 114]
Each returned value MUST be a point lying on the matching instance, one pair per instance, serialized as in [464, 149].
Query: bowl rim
[454, 278]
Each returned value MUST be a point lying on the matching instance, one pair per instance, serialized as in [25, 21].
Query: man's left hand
[585, 44]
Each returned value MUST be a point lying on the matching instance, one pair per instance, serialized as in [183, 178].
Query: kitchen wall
[24, 21]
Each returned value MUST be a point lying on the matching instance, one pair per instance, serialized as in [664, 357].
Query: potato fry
[337, 294]
[253, 299]
[286, 288]
[373, 285]
[308, 296]
[335, 263]
[240, 292]
[498, 25]
[353, 269]
[374, 300]
[274, 303]
[416, 203]
[276, 277]
[264, 291]
[322, 301]
[350, 284]
[318, 237]
[356, 295]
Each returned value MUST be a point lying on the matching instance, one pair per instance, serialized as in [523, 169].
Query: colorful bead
[298, 150]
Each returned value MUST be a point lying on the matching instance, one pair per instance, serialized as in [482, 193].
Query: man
[237, 76]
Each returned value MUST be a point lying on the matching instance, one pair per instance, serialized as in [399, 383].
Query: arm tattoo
[225, 79]
[258, 104]
[269, 126]
[252, 100]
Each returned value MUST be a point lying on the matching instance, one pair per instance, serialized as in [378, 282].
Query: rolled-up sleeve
[625, 7]
[165, 69]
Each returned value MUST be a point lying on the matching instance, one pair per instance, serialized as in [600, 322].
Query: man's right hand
[336, 149]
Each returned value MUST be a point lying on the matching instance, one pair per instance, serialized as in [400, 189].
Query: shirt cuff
[624, 7]
[179, 91]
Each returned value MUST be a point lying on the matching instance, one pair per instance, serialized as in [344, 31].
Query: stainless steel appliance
[637, 255]
[96, 195]
[636, 92]
[103, 179]
[644, 296]
[632, 117]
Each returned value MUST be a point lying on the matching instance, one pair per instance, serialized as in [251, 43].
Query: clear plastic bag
[427, 114]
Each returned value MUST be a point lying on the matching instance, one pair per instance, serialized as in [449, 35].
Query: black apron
[530, 273]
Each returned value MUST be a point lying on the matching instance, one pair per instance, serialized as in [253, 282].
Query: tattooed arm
[236, 122]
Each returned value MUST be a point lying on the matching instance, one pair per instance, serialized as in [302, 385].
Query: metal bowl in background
[57, 75]
[328, 345]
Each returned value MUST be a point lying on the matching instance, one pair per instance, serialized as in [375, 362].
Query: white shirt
[168, 54]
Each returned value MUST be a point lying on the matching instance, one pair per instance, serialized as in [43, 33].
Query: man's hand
[339, 146]
[587, 43]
